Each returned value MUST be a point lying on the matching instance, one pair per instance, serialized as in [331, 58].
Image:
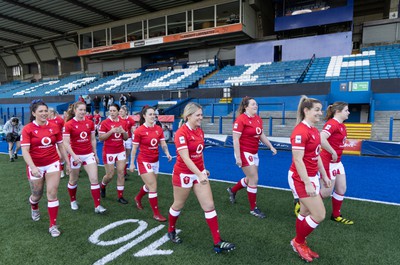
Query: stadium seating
[257, 74]
[378, 62]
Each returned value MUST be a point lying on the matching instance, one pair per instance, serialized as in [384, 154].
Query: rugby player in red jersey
[147, 137]
[80, 142]
[189, 172]
[38, 142]
[304, 175]
[247, 133]
[113, 133]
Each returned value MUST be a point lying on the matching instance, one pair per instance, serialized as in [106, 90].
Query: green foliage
[372, 240]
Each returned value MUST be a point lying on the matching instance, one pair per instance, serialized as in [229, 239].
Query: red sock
[95, 190]
[102, 185]
[52, 208]
[143, 191]
[239, 185]
[172, 218]
[299, 221]
[154, 202]
[212, 221]
[252, 196]
[305, 228]
[72, 191]
[120, 190]
[337, 200]
[34, 205]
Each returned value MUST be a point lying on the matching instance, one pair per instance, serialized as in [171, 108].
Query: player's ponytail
[243, 105]
[332, 109]
[305, 103]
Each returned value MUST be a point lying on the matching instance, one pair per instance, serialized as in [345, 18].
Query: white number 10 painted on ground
[150, 250]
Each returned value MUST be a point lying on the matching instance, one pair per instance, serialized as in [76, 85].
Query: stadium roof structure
[29, 22]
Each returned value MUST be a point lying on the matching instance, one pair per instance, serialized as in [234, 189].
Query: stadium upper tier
[380, 62]
[122, 83]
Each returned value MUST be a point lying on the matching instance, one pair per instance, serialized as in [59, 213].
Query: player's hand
[274, 151]
[169, 157]
[327, 182]
[239, 162]
[36, 172]
[310, 190]
[132, 167]
[334, 157]
[203, 179]
[77, 160]
[96, 158]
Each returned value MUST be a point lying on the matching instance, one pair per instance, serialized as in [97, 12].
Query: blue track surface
[371, 178]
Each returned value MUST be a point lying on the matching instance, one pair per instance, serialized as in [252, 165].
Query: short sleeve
[298, 139]
[136, 136]
[238, 126]
[180, 140]
[25, 137]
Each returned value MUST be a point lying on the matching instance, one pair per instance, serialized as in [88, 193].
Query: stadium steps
[359, 130]
[225, 100]
[203, 80]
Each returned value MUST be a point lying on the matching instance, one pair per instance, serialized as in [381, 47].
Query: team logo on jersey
[327, 127]
[51, 130]
[235, 126]
[312, 135]
[46, 141]
[297, 139]
[83, 135]
[35, 131]
[258, 130]
[76, 126]
[181, 139]
[153, 142]
[199, 149]
[87, 125]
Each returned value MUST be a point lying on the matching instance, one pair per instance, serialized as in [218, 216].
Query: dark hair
[34, 106]
[305, 103]
[114, 105]
[143, 112]
[244, 104]
[15, 119]
[71, 110]
[337, 106]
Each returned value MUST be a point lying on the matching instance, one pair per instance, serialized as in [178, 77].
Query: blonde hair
[337, 106]
[190, 108]
[305, 103]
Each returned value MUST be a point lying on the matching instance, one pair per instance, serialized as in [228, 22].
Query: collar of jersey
[249, 115]
[306, 123]
[34, 122]
[336, 120]
[117, 120]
